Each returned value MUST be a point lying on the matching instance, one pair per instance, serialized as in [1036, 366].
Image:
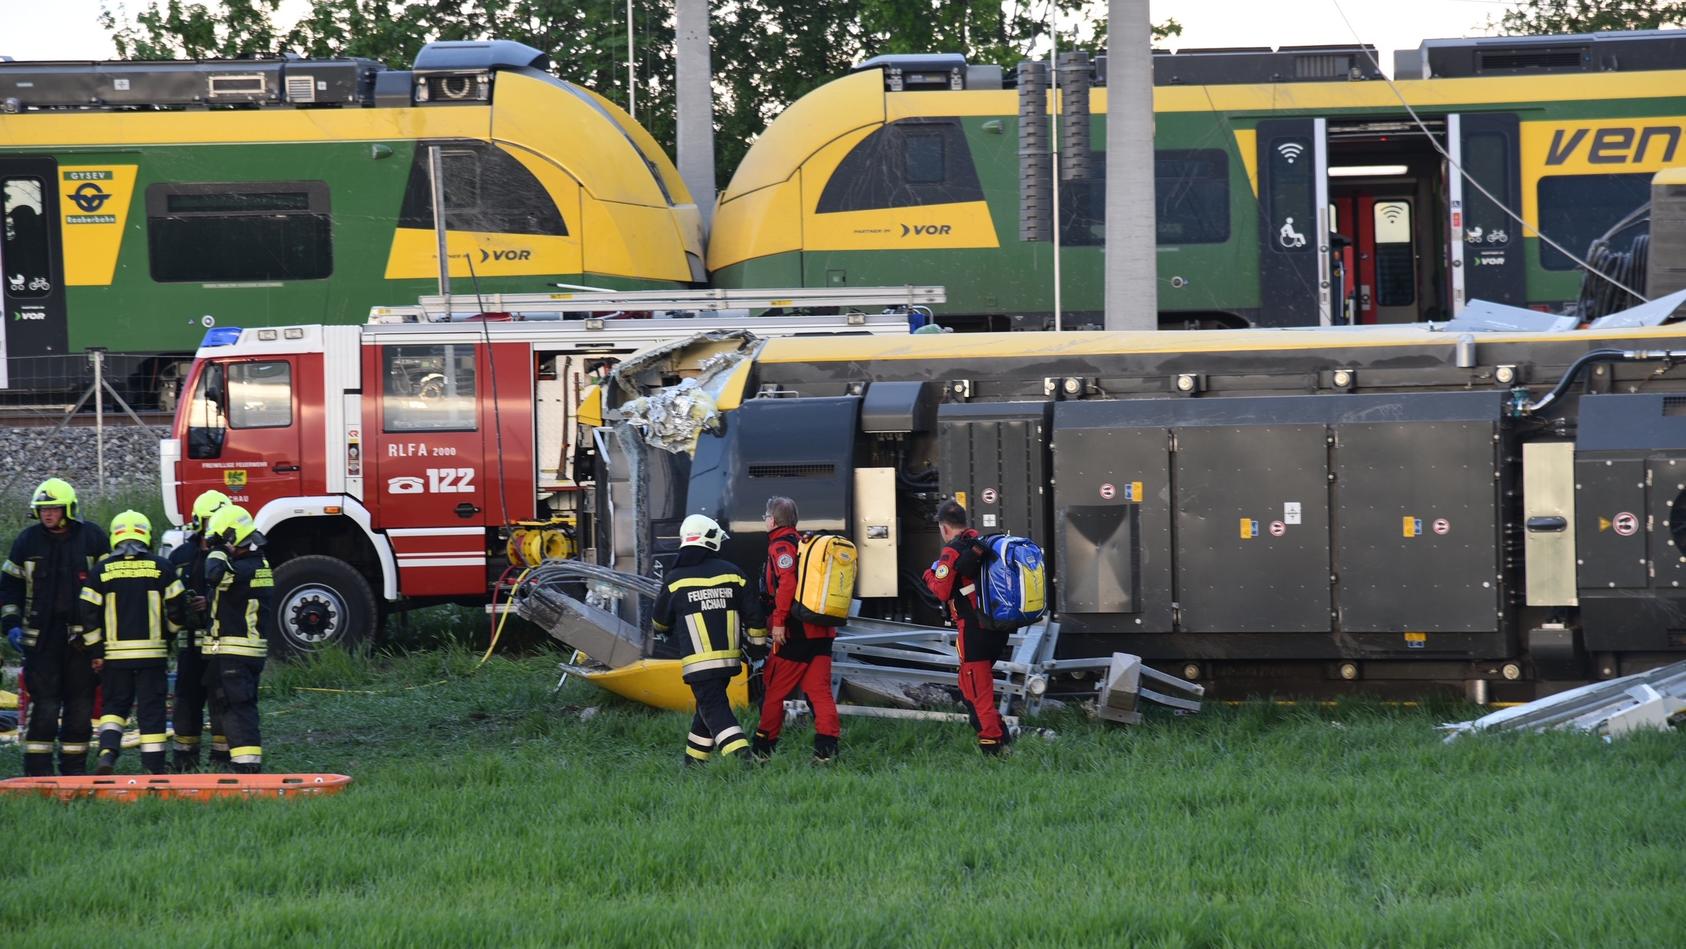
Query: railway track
[50, 416]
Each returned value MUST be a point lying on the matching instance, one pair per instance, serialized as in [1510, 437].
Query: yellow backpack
[825, 579]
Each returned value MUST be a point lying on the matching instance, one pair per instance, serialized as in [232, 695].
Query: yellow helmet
[54, 492]
[204, 506]
[131, 525]
[234, 526]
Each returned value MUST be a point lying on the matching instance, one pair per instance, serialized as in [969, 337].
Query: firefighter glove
[14, 635]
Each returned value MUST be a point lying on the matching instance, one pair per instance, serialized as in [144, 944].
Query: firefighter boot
[73, 759]
[107, 762]
[185, 762]
[247, 767]
[825, 748]
[762, 748]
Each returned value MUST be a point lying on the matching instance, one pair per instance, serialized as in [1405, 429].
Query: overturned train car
[1397, 511]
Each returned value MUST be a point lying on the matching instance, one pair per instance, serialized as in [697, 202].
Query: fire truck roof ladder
[561, 304]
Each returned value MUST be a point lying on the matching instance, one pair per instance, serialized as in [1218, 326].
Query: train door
[31, 271]
[1485, 246]
[1294, 264]
[1378, 233]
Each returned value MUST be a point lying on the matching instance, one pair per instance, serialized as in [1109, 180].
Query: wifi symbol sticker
[1391, 212]
[1290, 151]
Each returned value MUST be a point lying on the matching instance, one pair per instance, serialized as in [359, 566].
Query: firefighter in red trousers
[801, 653]
[954, 580]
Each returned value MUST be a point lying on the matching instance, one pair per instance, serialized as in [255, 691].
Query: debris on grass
[1645, 701]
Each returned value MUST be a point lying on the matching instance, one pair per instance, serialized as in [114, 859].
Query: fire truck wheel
[320, 602]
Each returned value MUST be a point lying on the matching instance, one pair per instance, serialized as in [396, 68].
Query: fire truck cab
[391, 462]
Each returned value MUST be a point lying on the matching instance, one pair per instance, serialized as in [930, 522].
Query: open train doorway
[1387, 220]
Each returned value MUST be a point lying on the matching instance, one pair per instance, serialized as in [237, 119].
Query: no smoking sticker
[1442, 526]
[1625, 524]
[1108, 491]
[988, 495]
[1277, 528]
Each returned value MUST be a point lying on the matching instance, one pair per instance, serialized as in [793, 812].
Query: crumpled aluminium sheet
[672, 418]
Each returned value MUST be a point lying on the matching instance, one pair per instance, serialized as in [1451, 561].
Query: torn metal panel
[1645, 700]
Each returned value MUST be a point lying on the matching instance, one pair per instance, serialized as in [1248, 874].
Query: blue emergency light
[221, 336]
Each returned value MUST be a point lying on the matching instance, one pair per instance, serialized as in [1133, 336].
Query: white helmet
[700, 530]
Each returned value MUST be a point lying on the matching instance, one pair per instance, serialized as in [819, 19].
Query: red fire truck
[392, 464]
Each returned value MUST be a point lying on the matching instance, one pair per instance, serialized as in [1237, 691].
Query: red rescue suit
[954, 580]
[803, 659]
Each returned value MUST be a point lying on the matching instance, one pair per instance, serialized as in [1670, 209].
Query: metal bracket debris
[1651, 700]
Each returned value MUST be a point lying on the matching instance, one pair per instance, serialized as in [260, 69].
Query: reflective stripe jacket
[128, 603]
[242, 604]
[188, 560]
[706, 605]
[44, 574]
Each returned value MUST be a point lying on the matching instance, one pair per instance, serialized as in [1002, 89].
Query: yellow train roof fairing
[647, 144]
[543, 115]
[800, 349]
[804, 126]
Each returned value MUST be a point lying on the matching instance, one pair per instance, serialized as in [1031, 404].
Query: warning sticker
[1277, 528]
[1442, 526]
[988, 496]
[1108, 491]
[989, 520]
[1625, 524]
[1413, 526]
[1290, 512]
[1133, 491]
[1249, 528]
[1416, 640]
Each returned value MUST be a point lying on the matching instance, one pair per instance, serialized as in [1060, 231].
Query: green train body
[147, 202]
[915, 169]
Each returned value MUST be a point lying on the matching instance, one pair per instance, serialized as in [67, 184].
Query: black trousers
[61, 704]
[141, 687]
[714, 727]
[190, 696]
[232, 684]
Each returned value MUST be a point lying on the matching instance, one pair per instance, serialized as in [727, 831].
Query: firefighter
[801, 653]
[188, 559]
[39, 584]
[241, 614]
[706, 601]
[953, 577]
[129, 602]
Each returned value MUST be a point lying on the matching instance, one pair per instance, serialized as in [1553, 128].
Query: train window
[23, 253]
[428, 388]
[1191, 200]
[1191, 191]
[239, 232]
[1396, 261]
[905, 164]
[487, 190]
[260, 394]
[1576, 210]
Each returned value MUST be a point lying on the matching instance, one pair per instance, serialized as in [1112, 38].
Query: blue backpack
[1012, 582]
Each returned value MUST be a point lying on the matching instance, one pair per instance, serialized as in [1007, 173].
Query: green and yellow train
[926, 169]
[146, 202]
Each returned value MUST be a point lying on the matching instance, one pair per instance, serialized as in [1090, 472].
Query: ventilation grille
[301, 89]
[792, 471]
[1674, 405]
[1532, 59]
[1321, 67]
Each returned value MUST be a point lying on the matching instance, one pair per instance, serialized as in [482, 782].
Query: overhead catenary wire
[1467, 177]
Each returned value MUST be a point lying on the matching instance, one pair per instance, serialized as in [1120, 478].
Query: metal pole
[435, 172]
[631, 76]
[694, 104]
[1132, 265]
[1054, 147]
[98, 356]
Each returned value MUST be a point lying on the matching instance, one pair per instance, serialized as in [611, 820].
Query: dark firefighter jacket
[42, 578]
[242, 604]
[129, 603]
[706, 604]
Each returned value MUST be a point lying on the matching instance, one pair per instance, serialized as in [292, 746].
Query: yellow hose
[497, 631]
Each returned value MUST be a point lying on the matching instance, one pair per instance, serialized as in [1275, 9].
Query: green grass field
[488, 812]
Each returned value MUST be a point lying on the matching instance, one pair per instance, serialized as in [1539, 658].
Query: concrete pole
[1132, 265]
[694, 104]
